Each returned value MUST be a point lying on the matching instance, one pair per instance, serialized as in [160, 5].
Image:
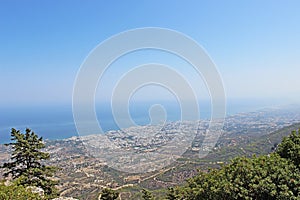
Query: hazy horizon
[253, 47]
[56, 121]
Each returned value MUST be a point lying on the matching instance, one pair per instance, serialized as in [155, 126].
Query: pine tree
[26, 166]
[289, 148]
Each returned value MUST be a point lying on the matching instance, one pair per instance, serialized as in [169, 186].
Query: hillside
[83, 177]
[261, 145]
[85, 181]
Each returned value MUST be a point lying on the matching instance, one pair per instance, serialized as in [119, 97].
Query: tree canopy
[289, 148]
[14, 191]
[147, 195]
[109, 194]
[26, 167]
[269, 177]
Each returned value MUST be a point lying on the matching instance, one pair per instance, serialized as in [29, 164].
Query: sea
[56, 121]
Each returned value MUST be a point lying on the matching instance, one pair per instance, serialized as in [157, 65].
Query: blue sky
[255, 44]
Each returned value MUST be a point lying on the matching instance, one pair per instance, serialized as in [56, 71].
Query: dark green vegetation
[290, 148]
[273, 176]
[26, 167]
[108, 194]
[147, 195]
[13, 192]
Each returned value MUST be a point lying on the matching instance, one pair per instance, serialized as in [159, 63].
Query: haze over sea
[56, 121]
[253, 44]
